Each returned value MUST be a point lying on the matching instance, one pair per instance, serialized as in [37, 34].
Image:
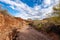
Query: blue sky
[29, 8]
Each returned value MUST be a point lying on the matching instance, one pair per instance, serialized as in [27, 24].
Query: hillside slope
[7, 23]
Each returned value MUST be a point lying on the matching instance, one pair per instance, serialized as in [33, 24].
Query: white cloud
[47, 2]
[27, 12]
[12, 7]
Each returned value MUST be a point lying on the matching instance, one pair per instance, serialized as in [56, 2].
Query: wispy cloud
[38, 11]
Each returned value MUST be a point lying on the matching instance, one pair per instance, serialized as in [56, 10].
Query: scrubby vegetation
[49, 25]
[53, 28]
[14, 34]
[4, 12]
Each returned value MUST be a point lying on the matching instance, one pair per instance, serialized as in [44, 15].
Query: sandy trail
[29, 33]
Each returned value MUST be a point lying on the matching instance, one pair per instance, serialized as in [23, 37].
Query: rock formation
[7, 24]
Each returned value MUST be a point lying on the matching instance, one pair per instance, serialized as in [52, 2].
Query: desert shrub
[30, 24]
[50, 28]
[4, 11]
[39, 26]
[14, 34]
[53, 28]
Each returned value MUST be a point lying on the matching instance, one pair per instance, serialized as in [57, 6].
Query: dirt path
[28, 33]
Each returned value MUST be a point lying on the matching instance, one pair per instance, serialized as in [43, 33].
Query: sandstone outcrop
[7, 24]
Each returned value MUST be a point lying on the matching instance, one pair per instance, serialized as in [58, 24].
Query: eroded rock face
[7, 24]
